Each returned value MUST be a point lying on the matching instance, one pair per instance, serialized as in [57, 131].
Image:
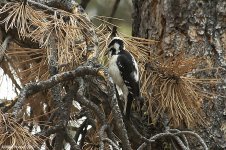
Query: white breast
[114, 71]
[117, 78]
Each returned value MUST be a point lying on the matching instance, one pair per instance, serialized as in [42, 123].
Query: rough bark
[200, 27]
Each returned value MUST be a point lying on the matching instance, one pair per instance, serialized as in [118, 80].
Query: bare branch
[101, 134]
[56, 90]
[42, 6]
[180, 143]
[68, 5]
[61, 4]
[183, 137]
[175, 136]
[195, 135]
[63, 113]
[32, 88]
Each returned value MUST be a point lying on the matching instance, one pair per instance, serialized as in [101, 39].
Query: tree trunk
[198, 27]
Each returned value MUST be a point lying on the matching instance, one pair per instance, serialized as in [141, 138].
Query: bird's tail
[139, 103]
[129, 105]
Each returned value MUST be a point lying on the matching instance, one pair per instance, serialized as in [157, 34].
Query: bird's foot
[102, 73]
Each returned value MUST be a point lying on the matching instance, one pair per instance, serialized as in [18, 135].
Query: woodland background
[53, 53]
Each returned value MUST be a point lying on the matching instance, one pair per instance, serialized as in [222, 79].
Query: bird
[123, 70]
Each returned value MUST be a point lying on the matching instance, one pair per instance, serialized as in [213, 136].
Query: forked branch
[32, 88]
[176, 135]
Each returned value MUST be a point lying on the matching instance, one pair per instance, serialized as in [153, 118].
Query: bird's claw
[101, 72]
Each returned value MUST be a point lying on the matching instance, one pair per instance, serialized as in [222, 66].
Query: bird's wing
[127, 68]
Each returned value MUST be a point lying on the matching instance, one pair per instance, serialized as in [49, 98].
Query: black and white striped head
[116, 45]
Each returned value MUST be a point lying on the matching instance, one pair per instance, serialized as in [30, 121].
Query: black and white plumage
[124, 72]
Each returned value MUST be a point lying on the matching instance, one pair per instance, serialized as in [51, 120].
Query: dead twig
[175, 136]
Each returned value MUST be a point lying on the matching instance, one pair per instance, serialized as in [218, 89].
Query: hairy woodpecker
[123, 70]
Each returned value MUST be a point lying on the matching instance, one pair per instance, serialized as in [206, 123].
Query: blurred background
[120, 10]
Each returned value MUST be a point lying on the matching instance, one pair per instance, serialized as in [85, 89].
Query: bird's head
[115, 46]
